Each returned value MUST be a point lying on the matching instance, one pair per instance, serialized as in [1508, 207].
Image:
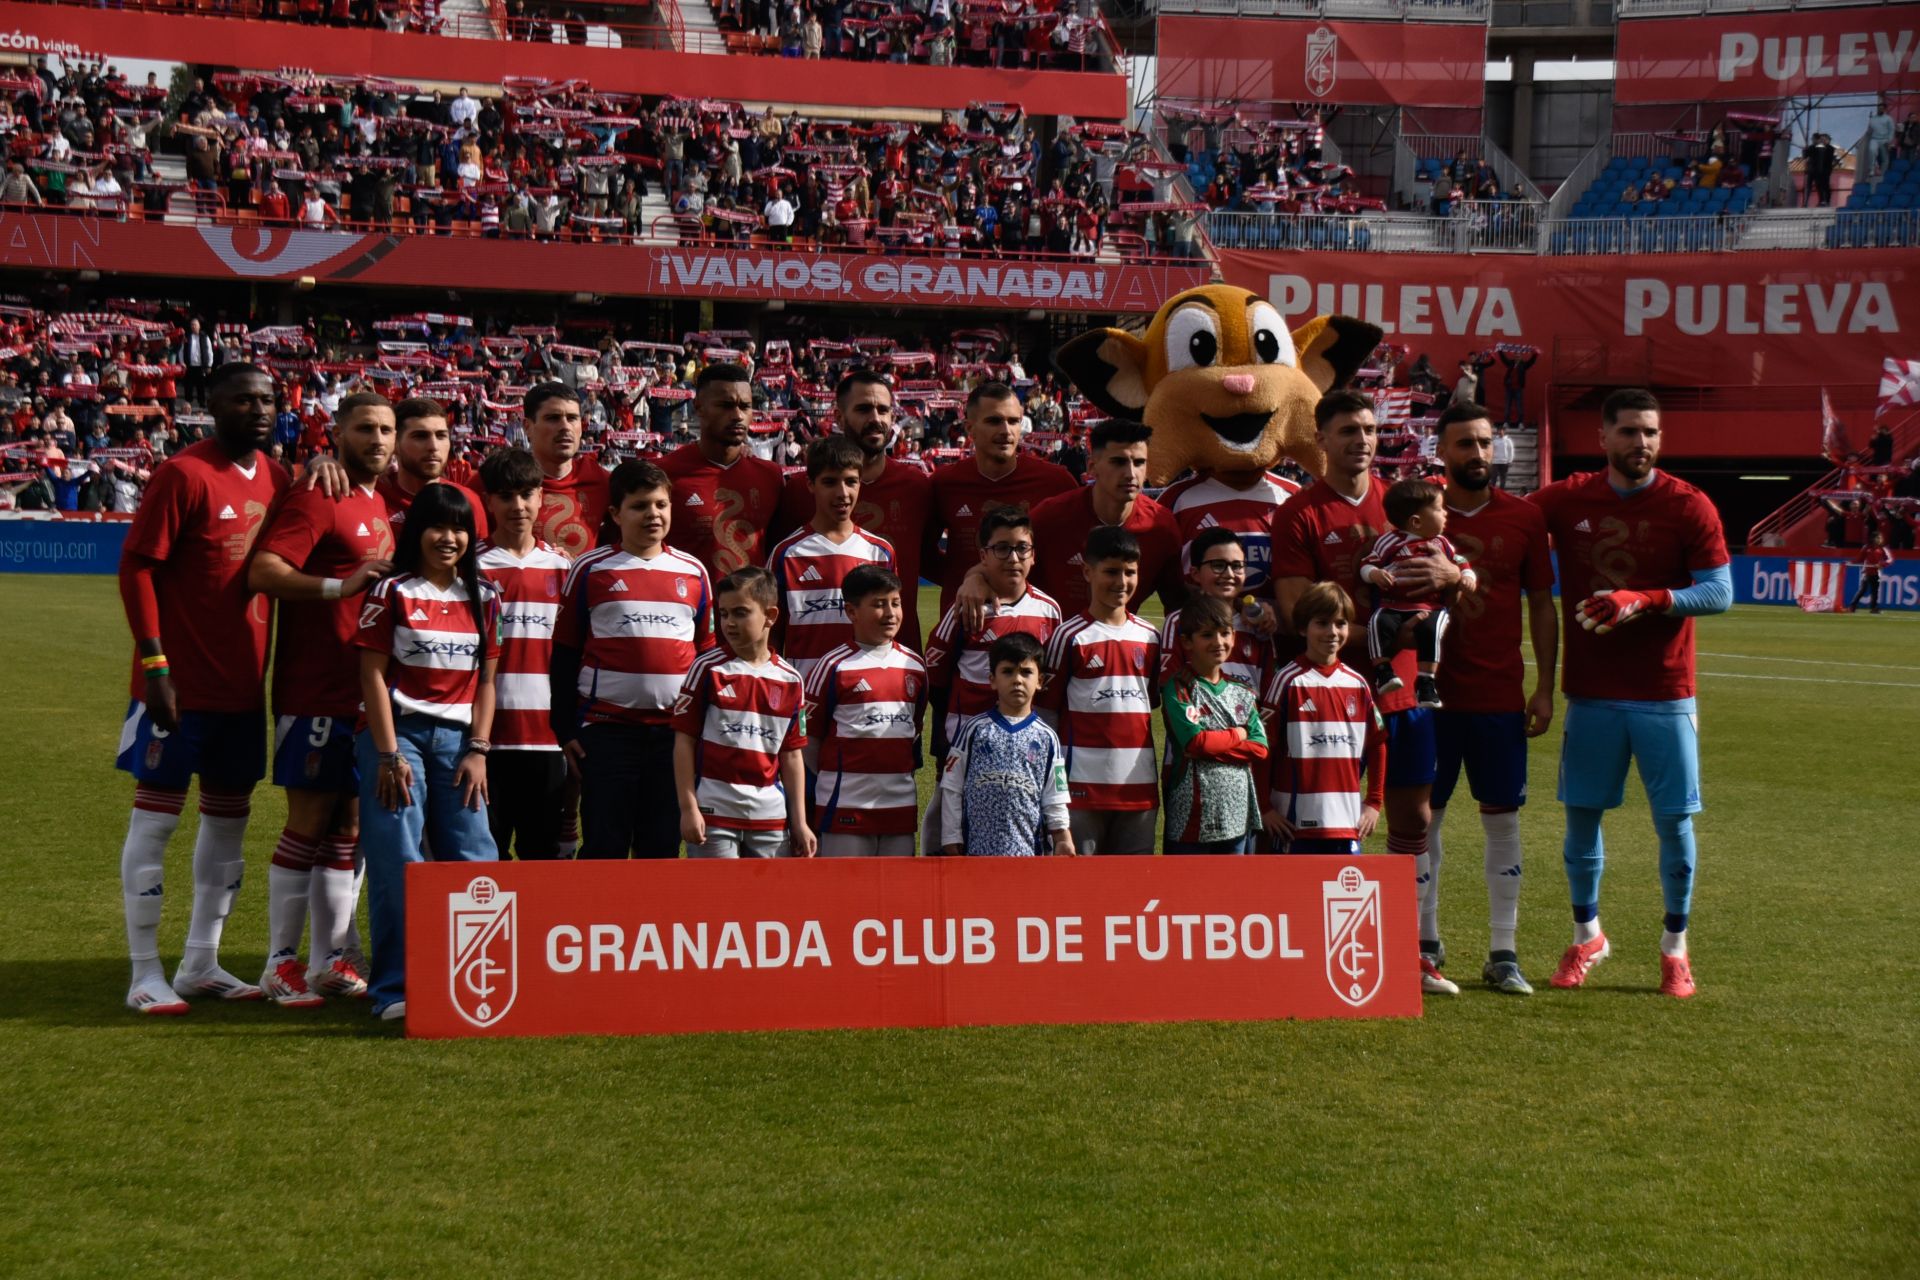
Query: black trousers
[526, 792]
[1869, 591]
[1385, 628]
[628, 807]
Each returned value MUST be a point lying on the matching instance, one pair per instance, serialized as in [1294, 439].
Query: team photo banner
[1255, 60]
[1866, 49]
[644, 948]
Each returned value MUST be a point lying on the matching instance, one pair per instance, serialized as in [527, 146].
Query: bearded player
[1641, 555]
[573, 485]
[197, 709]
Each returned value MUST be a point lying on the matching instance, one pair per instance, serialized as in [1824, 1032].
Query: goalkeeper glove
[1602, 611]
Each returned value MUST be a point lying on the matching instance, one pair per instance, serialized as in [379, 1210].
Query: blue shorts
[226, 748]
[1493, 746]
[1410, 748]
[1316, 844]
[315, 753]
[1662, 738]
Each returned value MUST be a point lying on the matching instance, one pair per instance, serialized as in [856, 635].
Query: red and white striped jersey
[808, 568]
[1203, 502]
[638, 625]
[957, 661]
[1325, 733]
[1251, 661]
[1395, 545]
[864, 707]
[741, 717]
[435, 644]
[530, 588]
[1101, 689]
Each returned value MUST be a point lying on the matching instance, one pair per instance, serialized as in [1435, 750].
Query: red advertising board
[1678, 320]
[639, 948]
[1233, 60]
[254, 253]
[1772, 54]
[54, 28]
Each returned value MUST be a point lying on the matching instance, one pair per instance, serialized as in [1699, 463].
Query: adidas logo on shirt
[724, 691]
[1095, 664]
[1076, 558]
[1207, 522]
[1331, 539]
[1306, 706]
[418, 615]
[862, 687]
[228, 513]
[619, 584]
[1583, 527]
[812, 574]
[964, 511]
[693, 500]
[363, 531]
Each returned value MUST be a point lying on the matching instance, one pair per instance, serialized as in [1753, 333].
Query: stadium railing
[1778, 528]
[1391, 10]
[1671, 8]
[1476, 226]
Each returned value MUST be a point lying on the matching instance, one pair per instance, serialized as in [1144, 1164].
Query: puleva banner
[636, 948]
[1736, 56]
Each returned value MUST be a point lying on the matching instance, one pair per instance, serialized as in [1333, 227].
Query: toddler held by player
[1419, 516]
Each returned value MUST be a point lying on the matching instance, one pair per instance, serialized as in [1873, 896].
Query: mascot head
[1222, 383]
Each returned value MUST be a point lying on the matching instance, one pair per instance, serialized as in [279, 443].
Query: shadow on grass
[91, 993]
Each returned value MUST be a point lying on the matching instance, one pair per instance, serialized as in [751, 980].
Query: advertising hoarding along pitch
[631, 948]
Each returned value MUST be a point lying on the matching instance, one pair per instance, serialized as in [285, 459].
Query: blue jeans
[391, 838]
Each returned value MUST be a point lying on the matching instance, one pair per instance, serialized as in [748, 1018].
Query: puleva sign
[653, 947]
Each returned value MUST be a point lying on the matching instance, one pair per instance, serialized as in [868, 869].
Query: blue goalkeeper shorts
[1661, 738]
[1410, 747]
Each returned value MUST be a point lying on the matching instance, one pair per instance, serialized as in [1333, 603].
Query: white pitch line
[1878, 684]
[1809, 662]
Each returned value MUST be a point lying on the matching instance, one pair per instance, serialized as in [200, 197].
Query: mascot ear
[1110, 368]
[1332, 347]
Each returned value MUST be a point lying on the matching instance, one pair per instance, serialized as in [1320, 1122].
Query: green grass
[1767, 1128]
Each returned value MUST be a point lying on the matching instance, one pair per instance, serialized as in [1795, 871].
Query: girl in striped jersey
[739, 726]
[428, 641]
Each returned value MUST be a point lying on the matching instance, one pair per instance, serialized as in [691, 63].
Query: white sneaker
[395, 1012]
[1435, 983]
[215, 983]
[337, 977]
[154, 996]
[285, 983]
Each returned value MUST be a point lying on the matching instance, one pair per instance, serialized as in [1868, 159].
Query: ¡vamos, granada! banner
[1866, 49]
[635, 948]
[1231, 60]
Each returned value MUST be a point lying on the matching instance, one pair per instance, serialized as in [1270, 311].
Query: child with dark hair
[428, 641]
[1214, 735]
[1004, 785]
[1418, 513]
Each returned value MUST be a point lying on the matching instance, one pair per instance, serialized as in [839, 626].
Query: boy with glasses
[1219, 569]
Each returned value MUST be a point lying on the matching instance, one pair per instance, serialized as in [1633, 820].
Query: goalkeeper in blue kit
[1003, 791]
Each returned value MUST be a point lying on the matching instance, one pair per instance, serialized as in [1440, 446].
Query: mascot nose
[1238, 384]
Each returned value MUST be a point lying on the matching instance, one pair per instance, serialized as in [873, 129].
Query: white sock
[1673, 944]
[219, 864]
[142, 877]
[1586, 930]
[330, 898]
[1430, 891]
[352, 931]
[1503, 878]
[287, 891]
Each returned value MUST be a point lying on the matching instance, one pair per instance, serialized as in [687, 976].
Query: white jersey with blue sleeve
[1004, 787]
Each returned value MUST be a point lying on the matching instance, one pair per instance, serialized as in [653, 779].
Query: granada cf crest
[1351, 903]
[1323, 61]
[482, 935]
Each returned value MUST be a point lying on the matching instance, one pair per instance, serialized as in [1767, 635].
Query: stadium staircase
[471, 18]
[697, 31]
[1800, 523]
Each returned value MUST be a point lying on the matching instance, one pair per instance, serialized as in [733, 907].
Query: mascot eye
[1272, 344]
[1193, 338]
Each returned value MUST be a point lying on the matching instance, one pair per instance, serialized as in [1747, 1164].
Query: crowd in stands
[1021, 34]
[1878, 492]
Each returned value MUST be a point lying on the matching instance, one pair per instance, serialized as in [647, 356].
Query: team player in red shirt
[1321, 536]
[422, 444]
[427, 643]
[959, 665]
[526, 774]
[998, 474]
[317, 556]
[1488, 714]
[1061, 526]
[809, 565]
[1101, 690]
[200, 657]
[865, 701]
[724, 498]
[1641, 555]
[895, 497]
[632, 619]
[739, 727]
[573, 487]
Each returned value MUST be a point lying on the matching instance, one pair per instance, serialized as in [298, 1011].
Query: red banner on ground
[1675, 320]
[88, 243]
[53, 28]
[1865, 49]
[1258, 60]
[636, 948]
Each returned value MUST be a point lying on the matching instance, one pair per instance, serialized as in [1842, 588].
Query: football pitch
[1769, 1127]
